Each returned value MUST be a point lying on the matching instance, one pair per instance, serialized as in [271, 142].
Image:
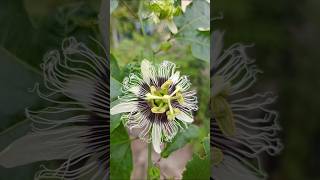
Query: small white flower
[157, 102]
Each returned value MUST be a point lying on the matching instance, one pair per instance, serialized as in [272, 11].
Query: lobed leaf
[193, 28]
[181, 139]
[120, 155]
[199, 168]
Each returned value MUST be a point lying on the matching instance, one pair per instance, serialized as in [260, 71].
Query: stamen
[166, 85]
[169, 103]
[152, 97]
[161, 101]
[178, 88]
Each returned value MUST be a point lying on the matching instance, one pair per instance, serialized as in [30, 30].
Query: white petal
[147, 71]
[124, 107]
[185, 117]
[42, 146]
[135, 90]
[156, 137]
[172, 27]
[184, 83]
[166, 69]
[175, 77]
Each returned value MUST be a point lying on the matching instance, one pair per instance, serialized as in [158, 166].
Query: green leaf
[199, 168]
[16, 79]
[223, 114]
[114, 68]
[154, 173]
[181, 139]
[206, 145]
[115, 88]
[120, 155]
[22, 37]
[197, 16]
[115, 91]
[31, 40]
[191, 26]
[115, 120]
[165, 46]
[113, 5]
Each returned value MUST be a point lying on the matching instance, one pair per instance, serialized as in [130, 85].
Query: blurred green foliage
[286, 35]
[29, 29]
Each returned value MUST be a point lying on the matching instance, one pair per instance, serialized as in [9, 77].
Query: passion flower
[157, 102]
[242, 125]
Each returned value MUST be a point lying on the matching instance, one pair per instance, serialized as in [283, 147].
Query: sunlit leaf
[197, 16]
[115, 91]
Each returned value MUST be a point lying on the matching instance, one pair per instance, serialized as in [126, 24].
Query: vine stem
[149, 160]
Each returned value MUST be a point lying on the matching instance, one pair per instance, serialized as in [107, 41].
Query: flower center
[160, 99]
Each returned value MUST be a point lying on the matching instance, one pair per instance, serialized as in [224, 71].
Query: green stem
[130, 10]
[149, 160]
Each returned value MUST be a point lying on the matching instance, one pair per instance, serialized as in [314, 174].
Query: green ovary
[160, 100]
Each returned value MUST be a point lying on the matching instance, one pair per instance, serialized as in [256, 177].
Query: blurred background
[29, 29]
[286, 35]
